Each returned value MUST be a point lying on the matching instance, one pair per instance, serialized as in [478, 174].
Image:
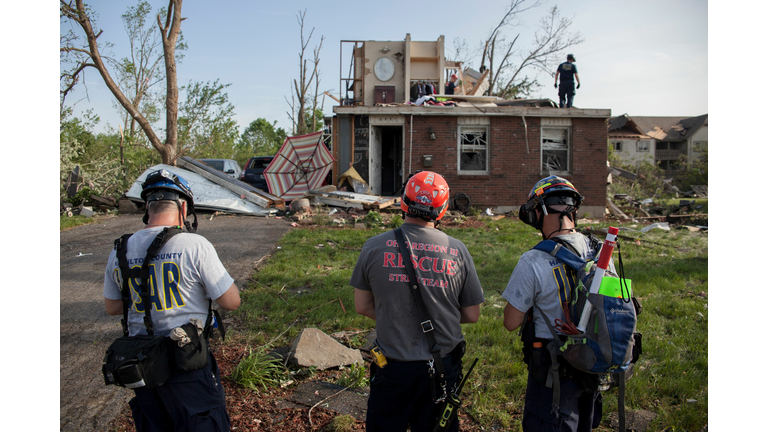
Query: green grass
[305, 285]
[258, 371]
[66, 223]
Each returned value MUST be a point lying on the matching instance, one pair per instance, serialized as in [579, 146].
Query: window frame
[617, 145]
[568, 150]
[463, 129]
[647, 146]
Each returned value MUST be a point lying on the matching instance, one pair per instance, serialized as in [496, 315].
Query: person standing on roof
[538, 277]
[451, 86]
[185, 275]
[566, 72]
[404, 392]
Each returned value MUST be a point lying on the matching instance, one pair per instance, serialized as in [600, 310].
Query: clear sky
[643, 58]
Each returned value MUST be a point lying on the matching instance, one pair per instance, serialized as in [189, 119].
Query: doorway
[386, 160]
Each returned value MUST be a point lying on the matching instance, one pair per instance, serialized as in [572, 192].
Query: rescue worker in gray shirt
[402, 392]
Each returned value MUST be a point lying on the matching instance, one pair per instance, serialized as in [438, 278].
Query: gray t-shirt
[448, 282]
[184, 274]
[539, 275]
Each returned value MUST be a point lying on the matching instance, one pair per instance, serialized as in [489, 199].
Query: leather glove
[555, 85]
[578, 85]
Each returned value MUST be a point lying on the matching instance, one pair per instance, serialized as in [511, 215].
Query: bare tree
[141, 74]
[507, 61]
[89, 55]
[300, 89]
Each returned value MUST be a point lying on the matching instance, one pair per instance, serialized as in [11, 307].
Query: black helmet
[550, 191]
[165, 185]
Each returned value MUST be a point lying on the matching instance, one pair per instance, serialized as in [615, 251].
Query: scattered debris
[87, 211]
[72, 181]
[352, 181]
[352, 200]
[660, 225]
[126, 206]
[208, 194]
[79, 254]
[239, 188]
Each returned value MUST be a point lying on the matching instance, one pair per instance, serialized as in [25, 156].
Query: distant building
[489, 149]
[659, 140]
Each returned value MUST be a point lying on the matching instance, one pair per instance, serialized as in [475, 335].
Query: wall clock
[384, 69]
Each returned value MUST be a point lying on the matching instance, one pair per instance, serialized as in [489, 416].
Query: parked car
[227, 166]
[253, 172]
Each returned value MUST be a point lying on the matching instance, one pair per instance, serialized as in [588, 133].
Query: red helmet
[425, 196]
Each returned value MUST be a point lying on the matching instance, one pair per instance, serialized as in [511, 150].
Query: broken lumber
[351, 199]
[246, 191]
[615, 210]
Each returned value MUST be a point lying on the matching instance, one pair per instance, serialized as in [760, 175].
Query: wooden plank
[480, 83]
[339, 202]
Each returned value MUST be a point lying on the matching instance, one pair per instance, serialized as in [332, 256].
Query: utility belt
[539, 364]
[455, 356]
[539, 361]
[151, 360]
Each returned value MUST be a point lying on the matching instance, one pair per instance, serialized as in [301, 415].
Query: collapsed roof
[207, 194]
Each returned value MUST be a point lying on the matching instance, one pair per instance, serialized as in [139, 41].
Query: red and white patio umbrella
[301, 164]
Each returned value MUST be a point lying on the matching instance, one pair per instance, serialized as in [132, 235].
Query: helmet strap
[568, 212]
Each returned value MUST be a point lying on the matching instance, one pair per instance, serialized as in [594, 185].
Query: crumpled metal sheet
[208, 195]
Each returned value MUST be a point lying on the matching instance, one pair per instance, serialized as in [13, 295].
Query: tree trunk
[169, 34]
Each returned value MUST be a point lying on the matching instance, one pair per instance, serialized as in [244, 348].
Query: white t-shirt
[184, 275]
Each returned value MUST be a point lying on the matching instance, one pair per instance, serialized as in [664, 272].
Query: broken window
[555, 150]
[643, 146]
[616, 145]
[473, 150]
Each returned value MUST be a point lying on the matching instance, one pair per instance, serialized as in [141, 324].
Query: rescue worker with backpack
[563, 393]
[163, 281]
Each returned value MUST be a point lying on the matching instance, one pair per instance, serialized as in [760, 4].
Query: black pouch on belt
[193, 355]
[138, 361]
[539, 364]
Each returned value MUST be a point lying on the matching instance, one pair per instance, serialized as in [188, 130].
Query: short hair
[164, 206]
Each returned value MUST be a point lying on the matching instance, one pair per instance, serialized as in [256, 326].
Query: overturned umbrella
[301, 165]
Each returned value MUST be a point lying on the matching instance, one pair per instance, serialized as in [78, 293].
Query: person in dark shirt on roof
[566, 72]
[451, 85]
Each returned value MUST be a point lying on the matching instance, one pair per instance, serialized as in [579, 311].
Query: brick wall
[513, 170]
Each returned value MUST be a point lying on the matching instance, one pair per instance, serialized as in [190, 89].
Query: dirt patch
[283, 409]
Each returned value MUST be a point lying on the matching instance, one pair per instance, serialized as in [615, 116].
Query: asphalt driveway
[86, 331]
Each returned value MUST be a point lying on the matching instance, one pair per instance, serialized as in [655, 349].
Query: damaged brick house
[659, 140]
[490, 150]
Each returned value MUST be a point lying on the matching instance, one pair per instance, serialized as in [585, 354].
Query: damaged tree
[551, 39]
[303, 122]
[89, 55]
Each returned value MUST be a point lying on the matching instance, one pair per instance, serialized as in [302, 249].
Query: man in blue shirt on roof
[566, 72]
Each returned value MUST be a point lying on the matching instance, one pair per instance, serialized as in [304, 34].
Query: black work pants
[401, 397]
[189, 401]
[566, 93]
[577, 408]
